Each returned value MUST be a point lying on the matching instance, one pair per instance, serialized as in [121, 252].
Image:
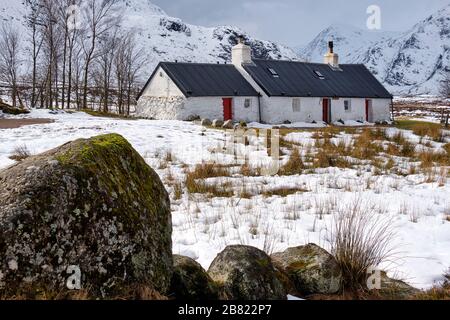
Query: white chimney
[241, 53]
[332, 58]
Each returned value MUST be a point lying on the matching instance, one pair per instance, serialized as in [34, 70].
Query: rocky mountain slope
[167, 38]
[411, 62]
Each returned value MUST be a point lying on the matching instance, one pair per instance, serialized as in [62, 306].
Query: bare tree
[107, 50]
[445, 85]
[99, 16]
[97, 59]
[34, 24]
[10, 59]
[128, 62]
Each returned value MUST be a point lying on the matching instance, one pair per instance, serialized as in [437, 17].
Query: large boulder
[312, 269]
[246, 273]
[91, 206]
[191, 282]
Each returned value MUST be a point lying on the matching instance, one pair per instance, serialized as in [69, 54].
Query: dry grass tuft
[133, 292]
[360, 240]
[434, 132]
[283, 192]
[208, 170]
[20, 153]
[295, 164]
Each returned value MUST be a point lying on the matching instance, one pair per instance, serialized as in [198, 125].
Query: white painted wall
[212, 108]
[357, 110]
[277, 110]
[162, 86]
[381, 110]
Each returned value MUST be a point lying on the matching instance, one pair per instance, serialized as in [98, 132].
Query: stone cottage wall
[160, 108]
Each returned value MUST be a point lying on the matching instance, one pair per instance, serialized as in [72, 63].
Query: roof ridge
[197, 63]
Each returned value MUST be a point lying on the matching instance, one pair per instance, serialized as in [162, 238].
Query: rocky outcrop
[92, 208]
[246, 273]
[191, 282]
[312, 269]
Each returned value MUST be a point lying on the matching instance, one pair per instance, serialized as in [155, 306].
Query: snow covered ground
[203, 226]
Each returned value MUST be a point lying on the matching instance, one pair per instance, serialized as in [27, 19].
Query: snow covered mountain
[348, 41]
[167, 38]
[412, 62]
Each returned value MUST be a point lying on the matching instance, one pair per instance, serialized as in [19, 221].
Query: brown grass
[360, 240]
[294, 165]
[434, 132]
[447, 148]
[20, 153]
[177, 191]
[248, 171]
[217, 190]
[208, 170]
[134, 292]
[283, 192]
[438, 292]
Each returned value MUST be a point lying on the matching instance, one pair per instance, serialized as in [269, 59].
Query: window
[319, 74]
[273, 72]
[296, 105]
[247, 103]
[347, 105]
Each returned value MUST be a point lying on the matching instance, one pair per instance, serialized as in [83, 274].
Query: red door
[326, 110]
[227, 109]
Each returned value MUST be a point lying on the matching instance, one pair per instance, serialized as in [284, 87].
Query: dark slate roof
[299, 79]
[206, 80]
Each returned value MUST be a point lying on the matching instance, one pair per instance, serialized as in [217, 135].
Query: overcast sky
[296, 22]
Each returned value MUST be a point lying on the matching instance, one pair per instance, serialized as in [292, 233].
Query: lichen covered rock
[246, 273]
[312, 269]
[93, 204]
[191, 282]
[395, 289]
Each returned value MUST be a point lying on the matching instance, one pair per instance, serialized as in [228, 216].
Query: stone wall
[160, 108]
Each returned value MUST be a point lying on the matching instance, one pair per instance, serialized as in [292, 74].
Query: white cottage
[267, 91]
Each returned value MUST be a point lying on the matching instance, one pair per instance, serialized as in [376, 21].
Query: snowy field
[273, 212]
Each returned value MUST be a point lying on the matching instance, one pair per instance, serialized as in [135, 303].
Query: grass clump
[433, 131]
[283, 192]
[359, 241]
[295, 164]
[20, 153]
[208, 170]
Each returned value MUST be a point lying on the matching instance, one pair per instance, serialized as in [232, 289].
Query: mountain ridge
[407, 63]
